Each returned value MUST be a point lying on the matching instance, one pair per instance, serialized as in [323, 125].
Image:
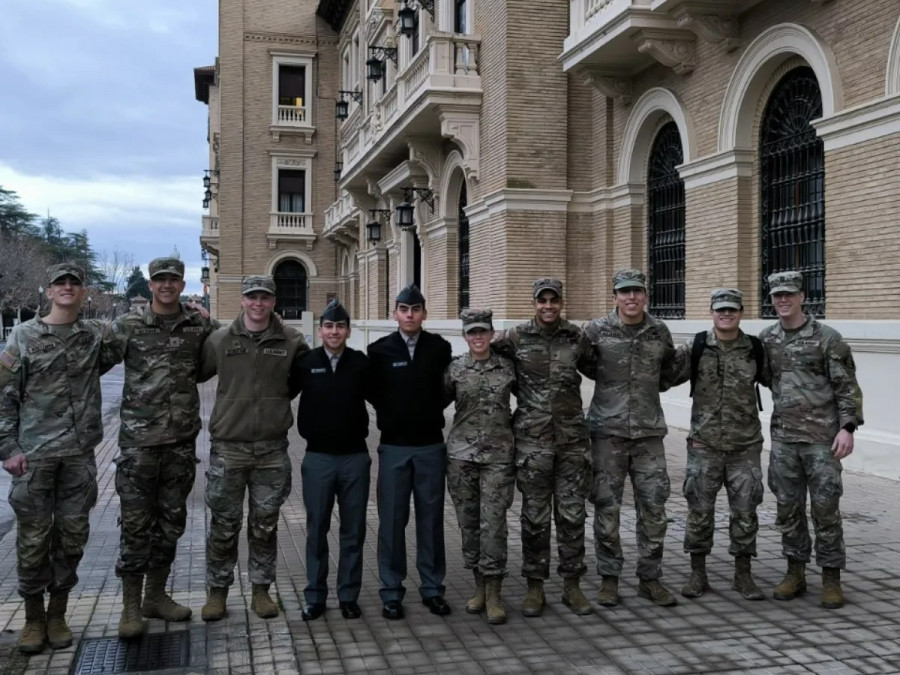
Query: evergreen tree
[136, 284]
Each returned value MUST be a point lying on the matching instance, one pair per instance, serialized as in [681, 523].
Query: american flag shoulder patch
[9, 361]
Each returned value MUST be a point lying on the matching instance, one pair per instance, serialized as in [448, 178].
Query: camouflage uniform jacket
[160, 403]
[254, 392]
[549, 409]
[814, 386]
[50, 389]
[724, 413]
[630, 368]
[482, 428]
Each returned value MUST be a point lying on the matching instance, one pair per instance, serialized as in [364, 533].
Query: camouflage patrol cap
[726, 297]
[629, 279]
[256, 284]
[785, 282]
[159, 266]
[477, 318]
[55, 272]
[546, 284]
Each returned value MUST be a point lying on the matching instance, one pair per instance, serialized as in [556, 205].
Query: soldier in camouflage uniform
[480, 451]
[256, 360]
[553, 464]
[817, 407]
[50, 423]
[160, 421]
[633, 353]
[724, 444]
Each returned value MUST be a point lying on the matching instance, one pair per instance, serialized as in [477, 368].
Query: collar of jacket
[562, 328]
[488, 364]
[804, 331]
[150, 317]
[649, 320]
[712, 340]
[275, 331]
[46, 328]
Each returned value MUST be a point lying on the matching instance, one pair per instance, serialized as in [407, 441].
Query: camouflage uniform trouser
[795, 468]
[52, 502]
[559, 476]
[263, 473]
[644, 460]
[153, 484]
[482, 494]
[707, 470]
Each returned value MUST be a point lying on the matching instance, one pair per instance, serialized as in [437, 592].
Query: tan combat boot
[58, 633]
[130, 623]
[262, 602]
[214, 609]
[608, 595]
[698, 583]
[157, 603]
[653, 589]
[832, 594]
[743, 581]
[794, 582]
[574, 599]
[475, 605]
[533, 605]
[31, 641]
[496, 612]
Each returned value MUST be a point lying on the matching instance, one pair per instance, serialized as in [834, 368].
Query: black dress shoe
[393, 609]
[350, 610]
[436, 605]
[312, 611]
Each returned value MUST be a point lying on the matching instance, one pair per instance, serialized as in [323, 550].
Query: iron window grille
[463, 236]
[290, 284]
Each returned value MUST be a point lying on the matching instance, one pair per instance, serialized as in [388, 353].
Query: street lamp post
[40, 302]
[90, 301]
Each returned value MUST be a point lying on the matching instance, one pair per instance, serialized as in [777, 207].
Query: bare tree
[116, 266]
[24, 261]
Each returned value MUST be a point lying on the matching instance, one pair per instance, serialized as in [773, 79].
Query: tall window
[459, 16]
[290, 289]
[292, 86]
[417, 258]
[463, 231]
[291, 191]
[414, 38]
[792, 188]
[665, 220]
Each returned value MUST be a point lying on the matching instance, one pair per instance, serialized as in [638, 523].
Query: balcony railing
[340, 219]
[292, 116]
[210, 226]
[291, 223]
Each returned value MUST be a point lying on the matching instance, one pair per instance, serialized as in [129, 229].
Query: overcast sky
[98, 121]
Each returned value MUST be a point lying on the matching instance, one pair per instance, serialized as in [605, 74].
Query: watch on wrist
[850, 426]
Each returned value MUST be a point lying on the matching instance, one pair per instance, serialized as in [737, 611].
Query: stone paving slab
[718, 633]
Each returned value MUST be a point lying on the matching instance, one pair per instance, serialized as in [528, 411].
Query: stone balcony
[342, 220]
[209, 234]
[291, 227]
[291, 120]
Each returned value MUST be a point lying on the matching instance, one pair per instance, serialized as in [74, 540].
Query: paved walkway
[718, 633]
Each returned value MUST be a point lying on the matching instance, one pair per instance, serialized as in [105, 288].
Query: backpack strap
[757, 348]
[696, 352]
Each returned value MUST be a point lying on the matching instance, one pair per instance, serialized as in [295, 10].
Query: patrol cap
[255, 284]
[785, 282]
[335, 312]
[66, 269]
[159, 266]
[726, 297]
[629, 279]
[411, 295]
[546, 284]
[477, 318]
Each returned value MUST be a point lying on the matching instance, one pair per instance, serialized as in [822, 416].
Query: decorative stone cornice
[462, 125]
[867, 122]
[426, 152]
[612, 85]
[715, 28]
[714, 168]
[286, 39]
[512, 199]
[676, 53]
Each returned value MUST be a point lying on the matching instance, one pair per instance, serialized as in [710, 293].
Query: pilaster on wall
[440, 239]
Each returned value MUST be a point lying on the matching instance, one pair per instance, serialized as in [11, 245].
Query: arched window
[665, 225]
[792, 188]
[290, 285]
[463, 235]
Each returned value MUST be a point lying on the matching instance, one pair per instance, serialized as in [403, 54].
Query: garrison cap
[256, 284]
[629, 279]
[335, 312]
[411, 295]
[66, 269]
[726, 297]
[477, 318]
[546, 284]
[785, 282]
[166, 266]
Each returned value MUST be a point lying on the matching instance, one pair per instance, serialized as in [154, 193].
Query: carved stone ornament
[616, 87]
[465, 130]
[676, 54]
[713, 28]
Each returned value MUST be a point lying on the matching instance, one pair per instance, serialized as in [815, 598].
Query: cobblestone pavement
[717, 633]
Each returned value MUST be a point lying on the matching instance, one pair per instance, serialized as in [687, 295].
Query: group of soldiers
[50, 424]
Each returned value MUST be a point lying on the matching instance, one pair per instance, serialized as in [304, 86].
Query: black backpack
[697, 351]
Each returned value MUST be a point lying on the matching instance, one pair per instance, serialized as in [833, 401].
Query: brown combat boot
[832, 593]
[608, 595]
[58, 634]
[743, 580]
[31, 641]
[653, 589]
[533, 605]
[262, 602]
[574, 599]
[157, 603]
[794, 582]
[214, 609]
[698, 583]
[130, 623]
[475, 605]
[496, 612]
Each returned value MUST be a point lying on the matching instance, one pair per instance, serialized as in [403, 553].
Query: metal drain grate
[157, 651]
